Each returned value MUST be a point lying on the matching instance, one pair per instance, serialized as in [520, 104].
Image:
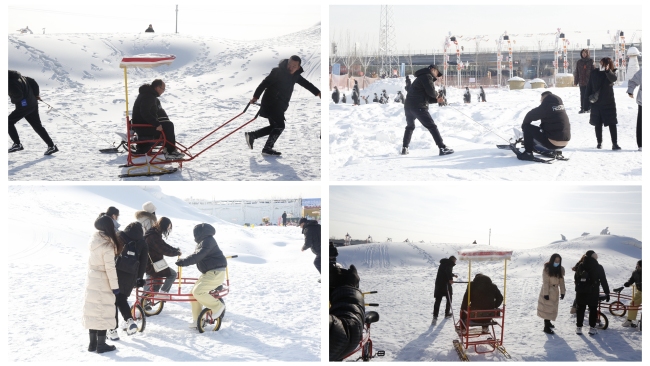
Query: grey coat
[633, 83]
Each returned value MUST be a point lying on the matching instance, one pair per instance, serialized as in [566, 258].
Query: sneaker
[405, 150]
[446, 151]
[616, 147]
[526, 155]
[581, 112]
[599, 146]
[51, 150]
[249, 139]
[131, 327]
[579, 330]
[174, 155]
[112, 335]
[16, 147]
[267, 151]
[592, 331]
[192, 324]
[628, 323]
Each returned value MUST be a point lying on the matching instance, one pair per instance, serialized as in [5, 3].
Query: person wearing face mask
[277, 88]
[114, 214]
[603, 108]
[552, 292]
[589, 277]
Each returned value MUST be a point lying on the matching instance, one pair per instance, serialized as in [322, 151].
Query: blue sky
[519, 214]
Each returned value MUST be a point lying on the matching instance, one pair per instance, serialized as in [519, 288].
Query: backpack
[584, 282]
[128, 261]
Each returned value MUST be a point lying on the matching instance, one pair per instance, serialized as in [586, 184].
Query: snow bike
[365, 345]
[617, 308]
[145, 150]
[481, 327]
[152, 302]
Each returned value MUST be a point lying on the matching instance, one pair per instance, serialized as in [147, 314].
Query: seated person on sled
[484, 296]
[347, 312]
[148, 111]
[554, 131]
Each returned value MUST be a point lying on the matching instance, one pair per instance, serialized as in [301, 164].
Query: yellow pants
[636, 301]
[206, 283]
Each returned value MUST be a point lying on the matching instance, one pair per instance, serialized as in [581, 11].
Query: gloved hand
[178, 263]
[627, 284]
[562, 297]
[116, 291]
[607, 298]
[140, 282]
[546, 297]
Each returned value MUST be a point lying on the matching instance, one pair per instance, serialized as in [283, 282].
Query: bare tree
[365, 58]
[349, 48]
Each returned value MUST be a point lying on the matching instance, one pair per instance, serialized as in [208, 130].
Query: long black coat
[158, 248]
[604, 110]
[422, 91]
[336, 96]
[147, 108]
[312, 236]
[127, 280]
[208, 255]
[278, 87]
[347, 315]
[443, 277]
[484, 295]
[554, 120]
[597, 274]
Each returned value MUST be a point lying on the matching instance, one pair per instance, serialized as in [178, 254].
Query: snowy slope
[404, 274]
[365, 141]
[211, 81]
[273, 308]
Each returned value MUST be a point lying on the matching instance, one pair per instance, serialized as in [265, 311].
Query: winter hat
[149, 207]
[302, 220]
[112, 211]
[452, 257]
[589, 253]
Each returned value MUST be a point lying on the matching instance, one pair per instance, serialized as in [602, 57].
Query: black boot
[92, 346]
[268, 147]
[102, 346]
[547, 327]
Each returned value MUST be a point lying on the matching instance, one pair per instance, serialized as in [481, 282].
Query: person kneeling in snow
[554, 131]
[346, 311]
[212, 263]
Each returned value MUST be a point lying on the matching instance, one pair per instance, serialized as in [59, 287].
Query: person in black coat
[24, 93]
[375, 99]
[482, 295]
[399, 98]
[346, 312]
[443, 288]
[416, 106]
[355, 93]
[589, 277]
[554, 131]
[467, 97]
[343, 99]
[147, 110]
[277, 88]
[482, 94]
[635, 279]
[336, 95]
[311, 230]
[284, 218]
[603, 111]
[150, 29]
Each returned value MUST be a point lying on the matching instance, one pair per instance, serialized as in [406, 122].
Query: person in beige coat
[101, 285]
[552, 292]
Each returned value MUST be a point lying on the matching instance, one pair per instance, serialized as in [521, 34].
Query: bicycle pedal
[381, 353]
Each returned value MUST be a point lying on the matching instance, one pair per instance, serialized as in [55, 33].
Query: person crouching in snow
[552, 292]
[212, 264]
[554, 130]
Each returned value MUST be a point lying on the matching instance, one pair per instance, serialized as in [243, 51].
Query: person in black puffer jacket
[603, 111]
[346, 313]
[554, 130]
[444, 280]
[311, 230]
[421, 93]
[212, 264]
[277, 88]
[336, 95]
[592, 274]
[635, 279]
[25, 94]
[132, 238]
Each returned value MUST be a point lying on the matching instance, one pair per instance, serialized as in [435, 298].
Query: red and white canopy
[147, 60]
[484, 254]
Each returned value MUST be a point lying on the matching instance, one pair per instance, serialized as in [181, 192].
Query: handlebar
[369, 292]
[248, 105]
[232, 256]
[372, 304]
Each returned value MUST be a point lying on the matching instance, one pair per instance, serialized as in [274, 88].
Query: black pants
[273, 131]
[533, 135]
[425, 118]
[317, 263]
[585, 105]
[593, 314]
[612, 132]
[170, 135]
[122, 305]
[32, 117]
[638, 128]
[284, 222]
[436, 305]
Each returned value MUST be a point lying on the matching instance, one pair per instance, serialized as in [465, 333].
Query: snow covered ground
[211, 81]
[365, 141]
[404, 276]
[273, 308]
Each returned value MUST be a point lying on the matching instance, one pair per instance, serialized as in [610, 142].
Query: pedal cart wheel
[206, 322]
[602, 321]
[151, 307]
[139, 317]
[617, 308]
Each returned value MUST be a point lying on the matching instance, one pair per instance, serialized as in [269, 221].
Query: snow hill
[404, 276]
[211, 81]
[365, 141]
[273, 308]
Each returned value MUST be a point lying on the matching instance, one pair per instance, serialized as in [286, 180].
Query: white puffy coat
[99, 300]
[553, 287]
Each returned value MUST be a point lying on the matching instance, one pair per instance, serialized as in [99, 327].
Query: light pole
[176, 18]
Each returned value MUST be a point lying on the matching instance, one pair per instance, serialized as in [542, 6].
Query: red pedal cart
[365, 344]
